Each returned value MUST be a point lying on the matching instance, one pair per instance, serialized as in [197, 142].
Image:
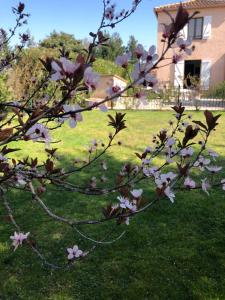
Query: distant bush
[5, 93]
[107, 67]
[218, 91]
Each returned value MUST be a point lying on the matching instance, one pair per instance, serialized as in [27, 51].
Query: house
[106, 82]
[207, 31]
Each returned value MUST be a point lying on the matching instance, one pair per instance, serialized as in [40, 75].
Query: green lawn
[172, 251]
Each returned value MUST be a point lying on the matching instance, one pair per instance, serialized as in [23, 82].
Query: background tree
[57, 40]
[132, 45]
[5, 52]
[113, 47]
[107, 67]
[26, 74]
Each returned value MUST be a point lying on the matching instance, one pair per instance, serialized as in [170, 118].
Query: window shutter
[185, 32]
[205, 73]
[179, 74]
[207, 27]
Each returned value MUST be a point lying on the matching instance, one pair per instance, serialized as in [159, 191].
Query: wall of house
[212, 49]
[107, 81]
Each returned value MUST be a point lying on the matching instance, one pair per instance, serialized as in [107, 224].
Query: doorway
[192, 73]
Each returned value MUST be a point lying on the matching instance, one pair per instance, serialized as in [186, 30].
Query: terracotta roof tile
[192, 4]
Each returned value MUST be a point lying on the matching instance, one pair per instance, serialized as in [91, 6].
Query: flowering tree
[34, 121]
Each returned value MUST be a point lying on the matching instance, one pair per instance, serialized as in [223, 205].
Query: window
[195, 28]
[192, 70]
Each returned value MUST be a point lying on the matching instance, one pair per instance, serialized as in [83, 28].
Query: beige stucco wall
[107, 81]
[211, 49]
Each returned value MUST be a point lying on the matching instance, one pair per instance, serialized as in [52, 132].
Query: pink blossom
[213, 154]
[176, 58]
[187, 152]
[73, 117]
[39, 132]
[103, 108]
[20, 180]
[136, 193]
[150, 171]
[93, 182]
[169, 194]
[139, 72]
[141, 98]
[63, 68]
[151, 55]
[146, 161]
[103, 178]
[113, 90]
[184, 44]
[127, 221]
[18, 238]
[164, 179]
[166, 31]
[189, 183]
[3, 158]
[110, 12]
[123, 60]
[205, 185]
[151, 81]
[185, 124]
[213, 169]
[104, 165]
[133, 207]
[135, 2]
[202, 163]
[170, 142]
[124, 202]
[74, 252]
[139, 51]
[141, 75]
[93, 146]
[148, 149]
[223, 184]
[91, 79]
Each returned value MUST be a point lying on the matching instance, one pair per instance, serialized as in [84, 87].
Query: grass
[169, 252]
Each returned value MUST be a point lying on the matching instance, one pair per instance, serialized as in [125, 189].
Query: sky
[79, 17]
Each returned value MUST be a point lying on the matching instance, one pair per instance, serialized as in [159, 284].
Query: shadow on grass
[173, 251]
[169, 252]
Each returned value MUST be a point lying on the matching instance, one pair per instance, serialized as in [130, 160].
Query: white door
[205, 74]
[179, 74]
